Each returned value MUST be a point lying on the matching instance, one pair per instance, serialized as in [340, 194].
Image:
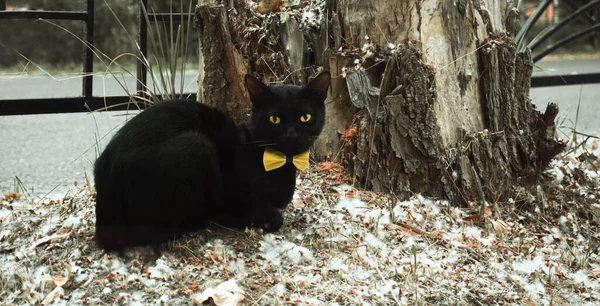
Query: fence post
[88, 58]
[143, 45]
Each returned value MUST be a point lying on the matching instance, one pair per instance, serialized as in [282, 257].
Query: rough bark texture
[398, 149]
[428, 96]
[222, 68]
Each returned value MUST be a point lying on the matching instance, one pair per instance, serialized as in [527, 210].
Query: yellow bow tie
[273, 159]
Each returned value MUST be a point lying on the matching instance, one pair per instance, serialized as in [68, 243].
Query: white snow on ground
[339, 246]
[276, 250]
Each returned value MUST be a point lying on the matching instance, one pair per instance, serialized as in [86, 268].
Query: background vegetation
[45, 43]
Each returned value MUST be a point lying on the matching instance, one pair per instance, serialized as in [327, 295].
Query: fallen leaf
[417, 217]
[349, 133]
[475, 218]
[499, 226]
[11, 197]
[58, 292]
[226, 293]
[410, 229]
[298, 203]
[46, 239]
[487, 212]
[595, 273]
[54, 294]
[60, 280]
[472, 218]
[270, 6]
[560, 274]
[329, 167]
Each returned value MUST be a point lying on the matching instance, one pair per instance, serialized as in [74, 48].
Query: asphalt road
[44, 86]
[52, 153]
[570, 97]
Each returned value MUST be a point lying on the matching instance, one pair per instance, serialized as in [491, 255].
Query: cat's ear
[255, 87]
[320, 84]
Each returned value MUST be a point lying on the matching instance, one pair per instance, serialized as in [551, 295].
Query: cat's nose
[290, 134]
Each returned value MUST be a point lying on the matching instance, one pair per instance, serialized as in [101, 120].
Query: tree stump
[427, 96]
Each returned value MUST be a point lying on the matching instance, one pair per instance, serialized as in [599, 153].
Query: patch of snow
[311, 19]
[49, 224]
[529, 266]
[548, 239]
[592, 174]
[535, 289]
[558, 175]
[351, 204]
[5, 213]
[487, 241]
[471, 231]
[409, 243]
[581, 278]
[115, 264]
[72, 221]
[4, 233]
[338, 264]
[337, 248]
[161, 269]
[238, 268]
[374, 242]
[276, 249]
[309, 279]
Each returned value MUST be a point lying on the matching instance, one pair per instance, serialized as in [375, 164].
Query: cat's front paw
[268, 218]
[280, 205]
[275, 222]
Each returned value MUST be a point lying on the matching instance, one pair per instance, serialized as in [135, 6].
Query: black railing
[536, 43]
[566, 79]
[86, 102]
[86, 16]
[83, 103]
[142, 70]
[89, 102]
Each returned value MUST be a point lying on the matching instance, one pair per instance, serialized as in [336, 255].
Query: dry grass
[338, 247]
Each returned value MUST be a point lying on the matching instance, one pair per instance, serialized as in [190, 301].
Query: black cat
[179, 164]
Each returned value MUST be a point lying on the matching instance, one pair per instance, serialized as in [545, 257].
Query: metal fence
[535, 45]
[58, 105]
[87, 101]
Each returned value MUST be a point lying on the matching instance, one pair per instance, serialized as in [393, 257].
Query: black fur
[179, 164]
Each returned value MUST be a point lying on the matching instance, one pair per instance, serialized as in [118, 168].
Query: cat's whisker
[255, 142]
[266, 145]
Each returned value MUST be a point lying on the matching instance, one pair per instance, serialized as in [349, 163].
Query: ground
[339, 246]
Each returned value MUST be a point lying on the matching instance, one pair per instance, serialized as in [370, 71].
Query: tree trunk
[222, 66]
[428, 96]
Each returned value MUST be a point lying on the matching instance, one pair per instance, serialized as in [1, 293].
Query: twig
[381, 275]
[479, 188]
[263, 295]
[586, 135]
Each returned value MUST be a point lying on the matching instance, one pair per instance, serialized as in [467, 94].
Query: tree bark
[221, 65]
[428, 96]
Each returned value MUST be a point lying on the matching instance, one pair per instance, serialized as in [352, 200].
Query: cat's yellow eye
[275, 119]
[305, 118]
